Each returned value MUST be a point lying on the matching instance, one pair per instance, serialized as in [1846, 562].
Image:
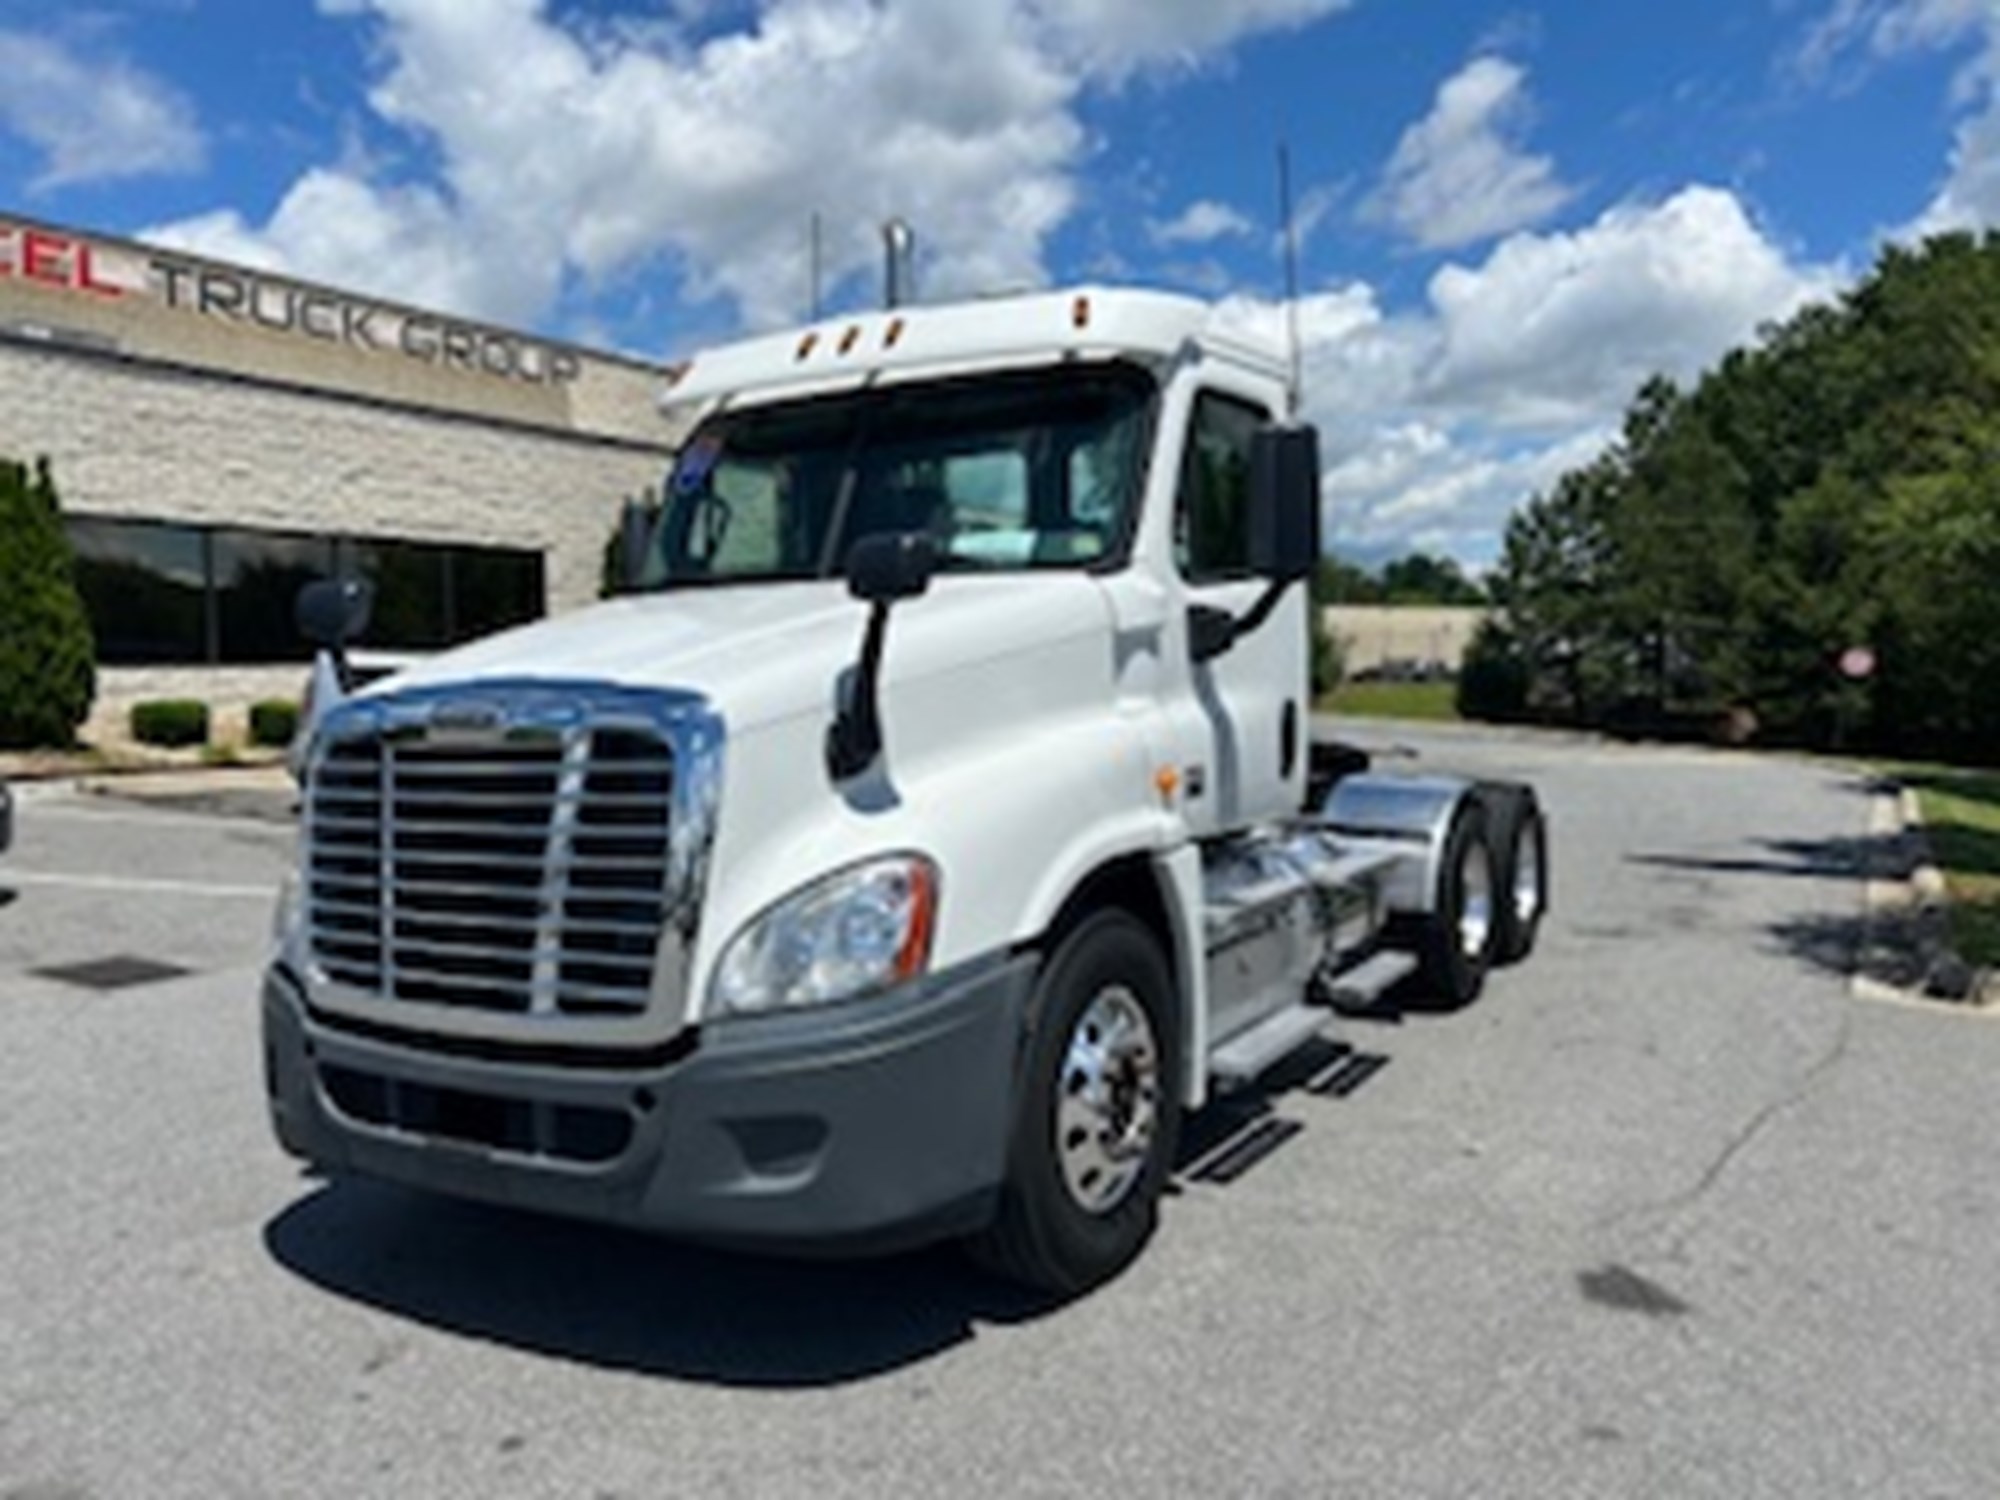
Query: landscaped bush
[170, 722]
[273, 722]
[48, 671]
[1493, 681]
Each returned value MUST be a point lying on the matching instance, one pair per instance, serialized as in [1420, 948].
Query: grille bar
[534, 875]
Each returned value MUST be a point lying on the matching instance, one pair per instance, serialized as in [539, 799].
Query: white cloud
[1115, 38]
[1200, 223]
[1970, 197]
[93, 119]
[1460, 175]
[402, 244]
[1439, 421]
[1552, 326]
[1887, 28]
[1873, 31]
[596, 150]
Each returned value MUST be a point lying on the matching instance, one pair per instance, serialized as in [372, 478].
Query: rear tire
[1098, 1114]
[1455, 945]
[1521, 840]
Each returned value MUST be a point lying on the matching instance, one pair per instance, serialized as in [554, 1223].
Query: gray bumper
[869, 1125]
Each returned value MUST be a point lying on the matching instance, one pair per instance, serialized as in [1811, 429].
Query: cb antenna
[1291, 242]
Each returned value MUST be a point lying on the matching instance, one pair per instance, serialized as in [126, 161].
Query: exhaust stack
[899, 245]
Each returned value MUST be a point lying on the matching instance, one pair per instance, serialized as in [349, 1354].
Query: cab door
[1247, 722]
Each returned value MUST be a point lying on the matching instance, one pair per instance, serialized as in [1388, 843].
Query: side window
[1212, 519]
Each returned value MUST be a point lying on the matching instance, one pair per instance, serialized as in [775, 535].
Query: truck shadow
[626, 1301]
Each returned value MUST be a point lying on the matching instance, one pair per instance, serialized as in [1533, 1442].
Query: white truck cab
[928, 829]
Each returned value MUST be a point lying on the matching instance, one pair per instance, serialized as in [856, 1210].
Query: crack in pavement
[1741, 1139]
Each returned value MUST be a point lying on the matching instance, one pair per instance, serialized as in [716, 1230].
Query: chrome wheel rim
[1107, 1101]
[1475, 901]
[1527, 878]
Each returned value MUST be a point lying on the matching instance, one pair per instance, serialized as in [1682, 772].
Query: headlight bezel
[798, 954]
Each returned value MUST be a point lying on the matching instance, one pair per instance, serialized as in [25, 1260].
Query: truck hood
[761, 652]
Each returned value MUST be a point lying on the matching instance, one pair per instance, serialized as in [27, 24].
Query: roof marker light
[1079, 313]
[807, 344]
[895, 334]
[850, 338]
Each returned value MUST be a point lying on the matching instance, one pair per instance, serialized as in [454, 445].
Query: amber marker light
[1167, 781]
[895, 334]
[850, 338]
[915, 954]
[1079, 313]
[807, 344]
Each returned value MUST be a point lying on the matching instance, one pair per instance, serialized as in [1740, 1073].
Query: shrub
[170, 722]
[48, 669]
[273, 722]
[1329, 666]
[1493, 680]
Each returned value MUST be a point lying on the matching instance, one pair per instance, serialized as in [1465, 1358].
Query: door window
[1212, 518]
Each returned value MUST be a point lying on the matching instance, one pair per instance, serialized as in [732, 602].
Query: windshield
[1036, 470]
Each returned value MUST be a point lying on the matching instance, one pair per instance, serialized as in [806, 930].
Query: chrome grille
[522, 868]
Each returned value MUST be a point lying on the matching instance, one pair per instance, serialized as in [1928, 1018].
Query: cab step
[1244, 1058]
[1362, 987]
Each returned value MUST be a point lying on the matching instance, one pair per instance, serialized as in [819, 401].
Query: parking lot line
[12, 876]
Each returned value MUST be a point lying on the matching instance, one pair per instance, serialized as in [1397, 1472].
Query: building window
[162, 594]
[493, 588]
[254, 580]
[145, 586]
[412, 592]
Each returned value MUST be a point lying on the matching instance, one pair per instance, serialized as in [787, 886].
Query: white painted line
[144, 816]
[12, 876]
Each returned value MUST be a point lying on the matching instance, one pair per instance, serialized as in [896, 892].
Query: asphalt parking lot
[1667, 1213]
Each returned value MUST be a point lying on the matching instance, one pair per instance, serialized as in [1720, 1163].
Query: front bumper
[864, 1126]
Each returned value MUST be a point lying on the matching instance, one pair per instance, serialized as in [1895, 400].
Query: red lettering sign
[54, 260]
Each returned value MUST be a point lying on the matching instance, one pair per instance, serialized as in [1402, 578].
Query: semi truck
[932, 825]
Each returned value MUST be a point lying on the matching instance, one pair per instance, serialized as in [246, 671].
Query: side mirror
[880, 571]
[896, 565]
[1284, 503]
[333, 611]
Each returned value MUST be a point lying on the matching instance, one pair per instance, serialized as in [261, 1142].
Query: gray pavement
[1667, 1213]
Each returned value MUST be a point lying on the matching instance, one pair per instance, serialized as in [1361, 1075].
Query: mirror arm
[1266, 604]
[1212, 632]
[854, 738]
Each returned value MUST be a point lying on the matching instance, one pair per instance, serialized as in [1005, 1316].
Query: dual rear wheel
[1492, 893]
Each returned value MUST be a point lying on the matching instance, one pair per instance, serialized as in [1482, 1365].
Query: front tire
[1098, 1114]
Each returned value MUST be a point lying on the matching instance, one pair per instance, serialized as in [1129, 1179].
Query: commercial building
[220, 434]
[1377, 638]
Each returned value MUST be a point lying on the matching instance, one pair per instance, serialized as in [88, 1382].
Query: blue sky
[1512, 213]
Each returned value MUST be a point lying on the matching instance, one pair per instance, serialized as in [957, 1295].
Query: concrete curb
[1906, 950]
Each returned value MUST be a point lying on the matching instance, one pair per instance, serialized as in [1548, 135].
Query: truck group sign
[63, 262]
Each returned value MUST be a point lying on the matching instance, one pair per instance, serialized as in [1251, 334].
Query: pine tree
[48, 672]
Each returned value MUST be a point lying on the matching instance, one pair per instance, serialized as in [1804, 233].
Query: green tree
[1832, 485]
[48, 672]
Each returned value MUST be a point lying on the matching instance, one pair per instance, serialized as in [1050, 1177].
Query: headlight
[859, 930]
